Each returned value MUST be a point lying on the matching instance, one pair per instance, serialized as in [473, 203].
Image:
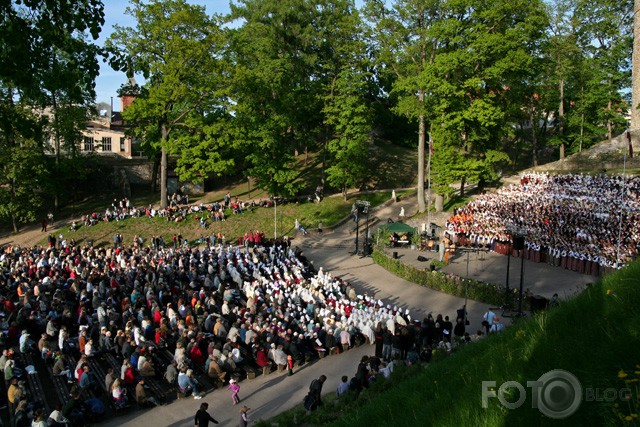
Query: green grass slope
[328, 212]
[594, 336]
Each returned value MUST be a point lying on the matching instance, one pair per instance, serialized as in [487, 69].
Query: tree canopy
[493, 84]
[179, 49]
[48, 66]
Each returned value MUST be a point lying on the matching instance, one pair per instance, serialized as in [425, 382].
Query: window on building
[88, 143]
[121, 143]
[106, 143]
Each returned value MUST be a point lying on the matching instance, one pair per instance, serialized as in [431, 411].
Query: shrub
[488, 293]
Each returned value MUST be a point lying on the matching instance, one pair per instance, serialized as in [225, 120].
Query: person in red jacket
[157, 316]
[263, 361]
[129, 375]
[196, 355]
[290, 365]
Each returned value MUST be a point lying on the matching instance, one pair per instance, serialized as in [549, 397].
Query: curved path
[270, 395]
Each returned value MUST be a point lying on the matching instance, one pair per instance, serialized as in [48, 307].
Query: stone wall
[128, 172]
[140, 172]
[137, 171]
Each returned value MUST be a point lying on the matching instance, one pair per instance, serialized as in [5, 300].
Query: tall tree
[177, 46]
[350, 118]
[492, 67]
[460, 67]
[46, 62]
[275, 86]
[406, 45]
[23, 173]
[562, 54]
[606, 33]
[343, 68]
[635, 79]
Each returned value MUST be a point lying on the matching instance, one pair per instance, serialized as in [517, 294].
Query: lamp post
[517, 235]
[275, 219]
[365, 251]
[356, 219]
[466, 283]
[521, 284]
[361, 206]
[508, 293]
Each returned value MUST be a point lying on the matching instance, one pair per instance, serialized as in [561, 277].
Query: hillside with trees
[478, 88]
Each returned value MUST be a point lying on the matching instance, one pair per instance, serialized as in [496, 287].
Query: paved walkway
[490, 267]
[270, 395]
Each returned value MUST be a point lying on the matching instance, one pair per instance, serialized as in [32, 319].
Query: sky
[109, 81]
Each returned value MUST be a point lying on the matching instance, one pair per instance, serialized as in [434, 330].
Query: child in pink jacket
[235, 389]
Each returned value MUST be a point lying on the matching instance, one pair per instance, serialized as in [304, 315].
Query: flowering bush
[627, 411]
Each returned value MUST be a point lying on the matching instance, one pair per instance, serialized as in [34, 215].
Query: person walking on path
[314, 398]
[300, 227]
[244, 418]
[290, 365]
[202, 417]
[235, 389]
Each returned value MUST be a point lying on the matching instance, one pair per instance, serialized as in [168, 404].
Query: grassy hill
[595, 336]
[328, 212]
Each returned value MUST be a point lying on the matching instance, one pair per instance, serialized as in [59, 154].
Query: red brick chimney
[127, 98]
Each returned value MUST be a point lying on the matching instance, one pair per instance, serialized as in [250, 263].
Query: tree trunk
[421, 140]
[439, 202]
[534, 137]
[325, 146]
[56, 136]
[154, 174]
[14, 218]
[561, 119]
[635, 73]
[581, 130]
[163, 169]
[581, 117]
[463, 181]
[481, 184]
[609, 122]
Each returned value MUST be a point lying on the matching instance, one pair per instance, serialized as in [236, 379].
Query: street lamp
[361, 206]
[356, 219]
[466, 283]
[517, 235]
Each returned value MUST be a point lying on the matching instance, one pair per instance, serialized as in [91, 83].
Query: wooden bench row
[158, 387]
[60, 385]
[33, 380]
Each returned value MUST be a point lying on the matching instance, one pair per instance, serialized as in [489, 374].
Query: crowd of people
[177, 210]
[218, 309]
[587, 223]
[400, 344]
